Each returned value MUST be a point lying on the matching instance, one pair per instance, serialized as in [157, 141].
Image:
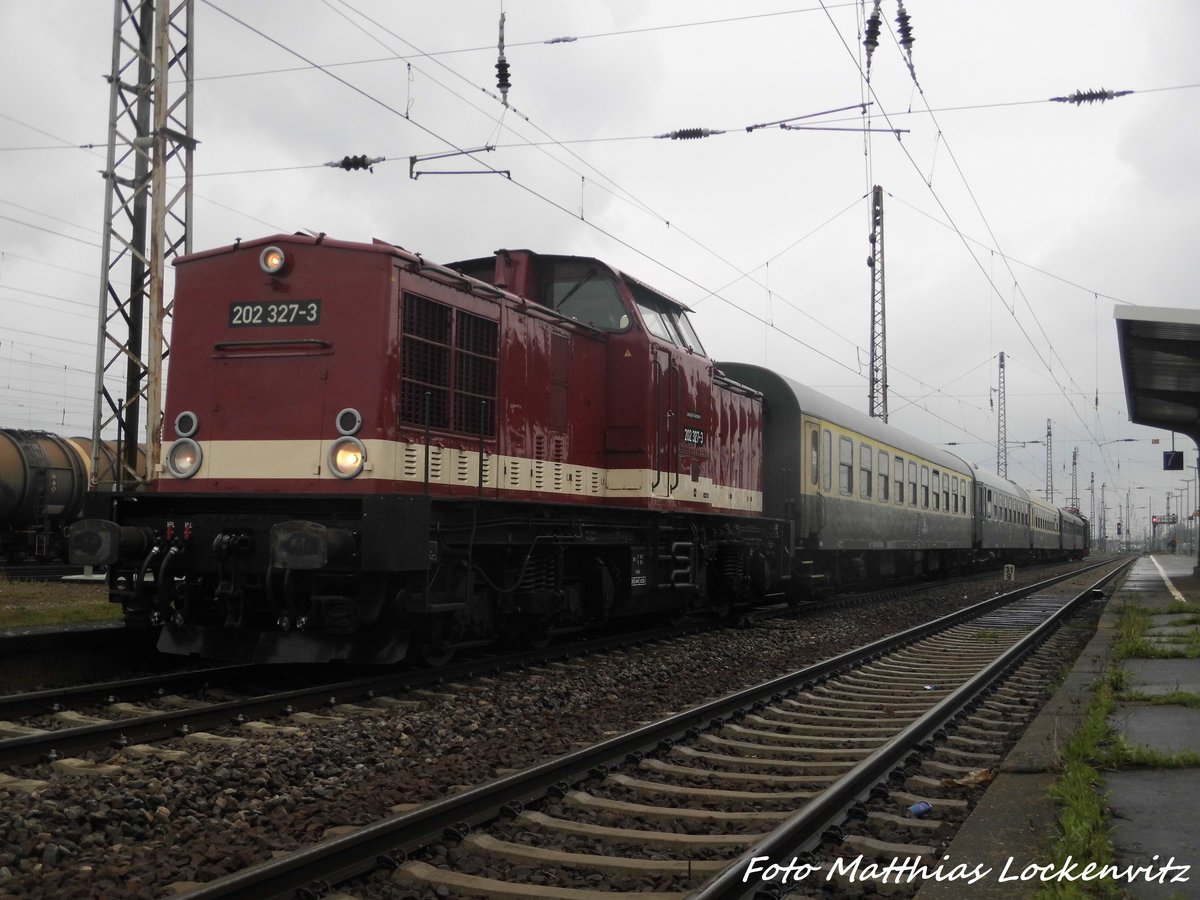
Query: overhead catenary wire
[519, 145]
[525, 187]
[1037, 351]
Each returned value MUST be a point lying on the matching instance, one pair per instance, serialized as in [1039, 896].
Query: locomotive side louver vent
[412, 462]
[448, 368]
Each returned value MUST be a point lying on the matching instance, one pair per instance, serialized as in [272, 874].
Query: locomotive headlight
[347, 457]
[272, 260]
[184, 457]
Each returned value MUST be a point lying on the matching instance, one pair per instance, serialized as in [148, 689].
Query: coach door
[816, 479]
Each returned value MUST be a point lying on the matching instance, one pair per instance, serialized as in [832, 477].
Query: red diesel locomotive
[367, 456]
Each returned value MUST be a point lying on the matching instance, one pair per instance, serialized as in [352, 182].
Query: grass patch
[986, 634]
[1126, 757]
[1132, 642]
[1082, 824]
[1083, 832]
[26, 602]
[1174, 698]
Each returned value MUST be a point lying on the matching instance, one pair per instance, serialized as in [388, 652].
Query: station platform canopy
[1160, 363]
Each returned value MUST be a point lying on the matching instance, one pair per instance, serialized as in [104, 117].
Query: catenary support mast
[1001, 426]
[878, 393]
[145, 221]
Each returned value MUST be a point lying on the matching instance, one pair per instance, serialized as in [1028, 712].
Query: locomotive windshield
[586, 293]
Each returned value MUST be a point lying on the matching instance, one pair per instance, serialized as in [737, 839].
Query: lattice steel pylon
[1001, 426]
[1073, 500]
[878, 394]
[1049, 462]
[150, 133]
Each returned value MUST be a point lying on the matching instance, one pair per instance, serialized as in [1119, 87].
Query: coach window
[827, 460]
[815, 453]
[925, 487]
[912, 484]
[884, 475]
[898, 478]
[865, 481]
[846, 466]
[937, 490]
[946, 492]
[954, 481]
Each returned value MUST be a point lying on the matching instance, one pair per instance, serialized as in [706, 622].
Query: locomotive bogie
[367, 579]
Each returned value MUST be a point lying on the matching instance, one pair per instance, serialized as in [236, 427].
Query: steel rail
[54, 744]
[33, 703]
[344, 857]
[803, 831]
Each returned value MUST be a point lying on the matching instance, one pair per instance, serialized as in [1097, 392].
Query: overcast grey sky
[1012, 223]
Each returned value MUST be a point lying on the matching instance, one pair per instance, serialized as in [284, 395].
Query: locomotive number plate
[267, 312]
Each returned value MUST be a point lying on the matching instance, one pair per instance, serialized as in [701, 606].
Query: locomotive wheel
[433, 646]
[536, 636]
[429, 656]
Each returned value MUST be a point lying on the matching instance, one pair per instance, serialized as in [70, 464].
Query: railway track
[58, 723]
[865, 757]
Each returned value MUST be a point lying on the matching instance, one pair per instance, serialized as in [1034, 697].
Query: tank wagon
[43, 480]
[368, 456]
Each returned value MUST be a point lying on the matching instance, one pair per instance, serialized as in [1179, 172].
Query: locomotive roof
[569, 258]
[376, 246]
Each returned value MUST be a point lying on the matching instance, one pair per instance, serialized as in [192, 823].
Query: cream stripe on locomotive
[455, 467]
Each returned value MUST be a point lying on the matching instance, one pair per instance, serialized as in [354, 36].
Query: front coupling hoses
[140, 587]
[166, 588]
